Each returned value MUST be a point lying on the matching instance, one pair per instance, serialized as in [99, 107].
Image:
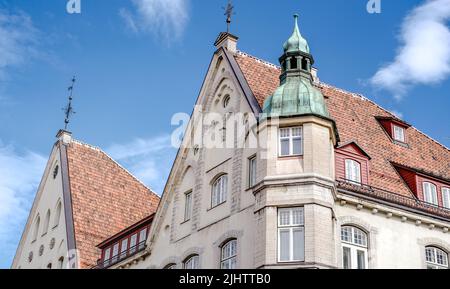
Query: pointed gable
[105, 199]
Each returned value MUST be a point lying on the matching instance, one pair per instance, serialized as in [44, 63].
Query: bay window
[291, 235]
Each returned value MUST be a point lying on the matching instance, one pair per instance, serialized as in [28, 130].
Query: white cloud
[163, 18]
[397, 113]
[20, 174]
[17, 40]
[424, 55]
[149, 160]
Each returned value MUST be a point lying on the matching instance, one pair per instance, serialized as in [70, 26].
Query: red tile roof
[106, 199]
[355, 120]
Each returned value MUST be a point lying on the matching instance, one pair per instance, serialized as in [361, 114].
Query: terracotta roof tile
[355, 120]
[105, 198]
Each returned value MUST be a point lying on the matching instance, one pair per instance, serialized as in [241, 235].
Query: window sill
[290, 157]
[400, 143]
[55, 227]
[43, 235]
[212, 208]
[185, 221]
[293, 262]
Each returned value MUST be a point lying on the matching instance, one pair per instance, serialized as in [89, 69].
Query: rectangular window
[252, 171]
[188, 206]
[399, 133]
[347, 258]
[142, 238]
[106, 257]
[133, 241]
[115, 253]
[291, 143]
[446, 197]
[291, 235]
[123, 248]
[429, 193]
[353, 171]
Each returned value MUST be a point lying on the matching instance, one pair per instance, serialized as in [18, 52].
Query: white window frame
[142, 238]
[219, 191]
[434, 253]
[446, 197]
[187, 205]
[290, 138]
[193, 262]
[430, 193]
[133, 243]
[123, 248]
[115, 253]
[291, 226]
[252, 166]
[354, 246]
[398, 133]
[107, 256]
[228, 255]
[353, 171]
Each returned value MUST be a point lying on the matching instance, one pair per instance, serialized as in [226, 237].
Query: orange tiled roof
[355, 120]
[105, 199]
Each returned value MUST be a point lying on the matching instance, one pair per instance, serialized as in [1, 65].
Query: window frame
[232, 258]
[445, 192]
[435, 264]
[223, 195]
[434, 196]
[252, 171]
[189, 259]
[290, 228]
[354, 247]
[397, 128]
[187, 205]
[346, 169]
[290, 139]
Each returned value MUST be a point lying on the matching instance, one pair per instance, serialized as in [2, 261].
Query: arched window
[192, 262]
[352, 171]
[46, 223]
[228, 255]
[430, 193]
[436, 258]
[57, 215]
[354, 248]
[36, 228]
[170, 266]
[219, 191]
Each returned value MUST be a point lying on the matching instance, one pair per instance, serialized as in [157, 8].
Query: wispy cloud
[18, 38]
[424, 54]
[149, 160]
[162, 18]
[20, 174]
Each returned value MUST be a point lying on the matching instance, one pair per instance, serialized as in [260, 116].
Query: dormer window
[446, 197]
[399, 133]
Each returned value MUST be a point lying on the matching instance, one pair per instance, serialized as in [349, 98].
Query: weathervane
[229, 13]
[68, 110]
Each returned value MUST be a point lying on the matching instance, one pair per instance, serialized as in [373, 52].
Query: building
[317, 177]
[84, 197]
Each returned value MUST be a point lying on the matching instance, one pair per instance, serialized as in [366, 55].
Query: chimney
[227, 41]
[64, 136]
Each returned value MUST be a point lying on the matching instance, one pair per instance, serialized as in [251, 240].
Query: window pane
[106, 256]
[296, 131]
[284, 132]
[346, 234]
[346, 258]
[429, 253]
[359, 237]
[188, 205]
[446, 197]
[115, 252]
[284, 217]
[297, 216]
[133, 241]
[252, 172]
[284, 245]
[361, 257]
[298, 246]
[399, 133]
[142, 238]
[123, 248]
[297, 146]
[284, 150]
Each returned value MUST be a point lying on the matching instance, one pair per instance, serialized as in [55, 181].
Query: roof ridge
[98, 149]
[265, 62]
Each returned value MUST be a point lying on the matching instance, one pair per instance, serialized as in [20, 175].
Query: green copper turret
[296, 94]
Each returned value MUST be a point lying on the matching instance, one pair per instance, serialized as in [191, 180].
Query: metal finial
[68, 110]
[229, 12]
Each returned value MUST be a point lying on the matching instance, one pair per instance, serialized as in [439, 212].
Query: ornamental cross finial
[229, 13]
[68, 110]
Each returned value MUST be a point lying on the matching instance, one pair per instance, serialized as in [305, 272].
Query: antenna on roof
[68, 110]
[229, 12]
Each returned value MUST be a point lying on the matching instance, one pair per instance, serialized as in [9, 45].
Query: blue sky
[138, 62]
